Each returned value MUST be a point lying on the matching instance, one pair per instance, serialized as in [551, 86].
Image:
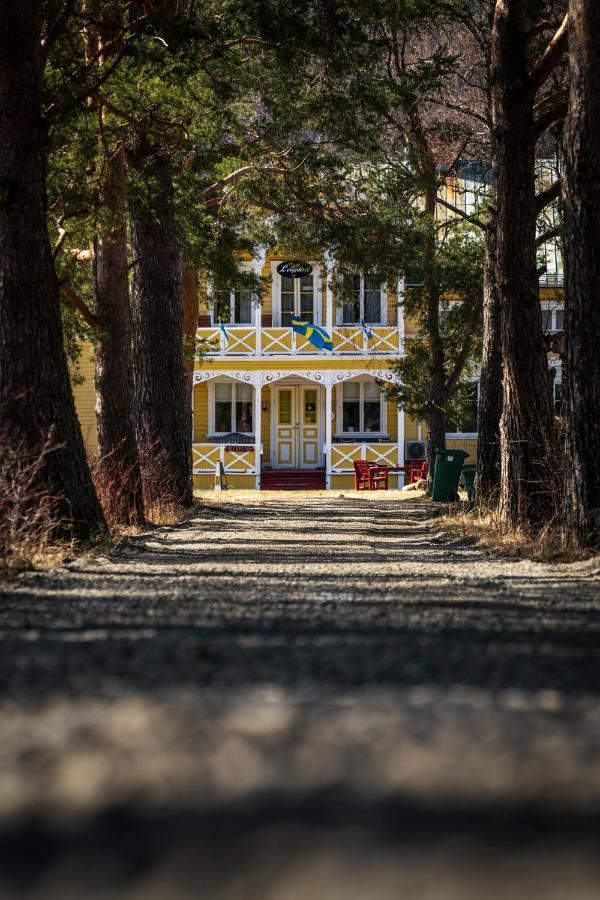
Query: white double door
[297, 419]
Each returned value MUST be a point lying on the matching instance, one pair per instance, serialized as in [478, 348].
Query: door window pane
[351, 307]
[372, 301]
[243, 308]
[351, 406]
[306, 298]
[310, 407]
[243, 408]
[285, 407]
[560, 319]
[372, 406]
[287, 300]
[223, 407]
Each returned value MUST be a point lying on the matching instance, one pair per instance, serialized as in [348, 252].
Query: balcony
[246, 340]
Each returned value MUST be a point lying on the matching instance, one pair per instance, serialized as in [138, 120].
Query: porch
[307, 422]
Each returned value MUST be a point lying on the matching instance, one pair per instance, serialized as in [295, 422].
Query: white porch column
[401, 291]
[328, 432]
[257, 267]
[193, 418]
[329, 264]
[401, 442]
[258, 432]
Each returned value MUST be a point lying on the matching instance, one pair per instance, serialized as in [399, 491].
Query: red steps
[292, 480]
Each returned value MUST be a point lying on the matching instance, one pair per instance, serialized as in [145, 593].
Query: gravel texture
[298, 698]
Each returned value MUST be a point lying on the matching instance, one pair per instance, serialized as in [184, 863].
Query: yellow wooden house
[269, 404]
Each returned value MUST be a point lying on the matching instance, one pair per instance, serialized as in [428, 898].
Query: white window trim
[361, 299]
[255, 302]
[276, 293]
[211, 406]
[339, 410]
[553, 307]
[466, 435]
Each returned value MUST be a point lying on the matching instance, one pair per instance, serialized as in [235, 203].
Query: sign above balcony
[294, 268]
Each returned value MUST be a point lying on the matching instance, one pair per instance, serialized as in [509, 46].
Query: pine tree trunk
[436, 398]
[161, 397]
[119, 462]
[582, 309]
[35, 391]
[527, 489]
[189, 294]
[490, 382]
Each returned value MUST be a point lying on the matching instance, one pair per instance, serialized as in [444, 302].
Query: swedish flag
[314, 333]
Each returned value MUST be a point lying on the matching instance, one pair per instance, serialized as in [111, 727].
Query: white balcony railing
[348, 340]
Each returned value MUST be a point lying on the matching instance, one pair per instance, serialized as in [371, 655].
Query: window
[553, 318]
[297, 299]
[362, 403]
[558, 398]
[233, 307]
[467, 423]
[556, 373]
[233, 408]
[363, 300]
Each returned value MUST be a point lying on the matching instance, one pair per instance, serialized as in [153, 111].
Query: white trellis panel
[344, 455]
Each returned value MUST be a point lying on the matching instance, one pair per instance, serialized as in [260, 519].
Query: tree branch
[76, 301]
[555, 114]
[462, 214]
[545, 198]
[550, 57]
[547, 236]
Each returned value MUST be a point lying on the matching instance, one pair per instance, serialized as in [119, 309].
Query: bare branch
[545, 198]
[459, 212]
[550, 57]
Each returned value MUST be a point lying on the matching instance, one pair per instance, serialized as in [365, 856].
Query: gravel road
[301, 698]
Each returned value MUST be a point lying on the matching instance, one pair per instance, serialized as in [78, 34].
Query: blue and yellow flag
[314, 333]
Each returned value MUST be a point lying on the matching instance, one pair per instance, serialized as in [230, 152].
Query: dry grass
[483, 527]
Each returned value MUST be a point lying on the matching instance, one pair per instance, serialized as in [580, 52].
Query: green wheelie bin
[448, 465]
[468, 475]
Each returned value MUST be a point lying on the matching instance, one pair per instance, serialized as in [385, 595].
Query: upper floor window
[364, 297]
[295, 299]
[553, 318]
[362, 407]
[233, 307]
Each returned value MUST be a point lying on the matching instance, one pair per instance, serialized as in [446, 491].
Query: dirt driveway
[301, 698]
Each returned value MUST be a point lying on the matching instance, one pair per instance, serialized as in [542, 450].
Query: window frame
[254, 302]
[212, 416]
[339, 411]
[361, 303]
[317, 294]
[552, 307]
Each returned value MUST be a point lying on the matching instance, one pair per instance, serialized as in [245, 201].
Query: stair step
[293, 480]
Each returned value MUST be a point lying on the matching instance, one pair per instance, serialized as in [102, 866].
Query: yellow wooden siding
[200, 412]
[85, 398]
[234, 482]
[470, 445]
[392, 420]
[410, 429]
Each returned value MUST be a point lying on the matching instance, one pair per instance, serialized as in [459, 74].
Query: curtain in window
[372, 300]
